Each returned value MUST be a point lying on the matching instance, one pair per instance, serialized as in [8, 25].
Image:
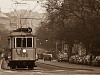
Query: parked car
[62, 57]
[96, 61]
[47, 57]
[87, 60]
[80, 60]
[73, 59]
[40, 56]
[65, 57]
[84, 59]
[76, 59]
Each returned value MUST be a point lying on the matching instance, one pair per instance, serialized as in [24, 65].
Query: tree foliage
[71, 20]
[3, 37]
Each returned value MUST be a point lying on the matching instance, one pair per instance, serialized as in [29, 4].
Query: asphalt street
[53, 68]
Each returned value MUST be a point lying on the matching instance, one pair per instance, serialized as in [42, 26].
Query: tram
[23, 48]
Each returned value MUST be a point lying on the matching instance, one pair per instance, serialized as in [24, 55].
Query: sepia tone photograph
[49, 37]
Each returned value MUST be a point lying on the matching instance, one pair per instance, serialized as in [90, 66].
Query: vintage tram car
[23, 49]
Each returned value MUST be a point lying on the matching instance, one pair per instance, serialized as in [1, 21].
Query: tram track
[53, 66]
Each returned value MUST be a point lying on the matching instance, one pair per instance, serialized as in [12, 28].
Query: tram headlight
[24, 50]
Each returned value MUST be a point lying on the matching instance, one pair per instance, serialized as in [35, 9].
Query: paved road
[73, 68]
[47, 70]
[38, 72]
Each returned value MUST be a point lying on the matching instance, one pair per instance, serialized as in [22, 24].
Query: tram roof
[21, 34]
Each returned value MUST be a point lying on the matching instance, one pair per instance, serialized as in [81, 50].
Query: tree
[4, 37]
[74, 20]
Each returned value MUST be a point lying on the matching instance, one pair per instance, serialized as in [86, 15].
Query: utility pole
[56, 52]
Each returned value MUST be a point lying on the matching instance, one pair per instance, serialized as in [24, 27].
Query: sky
[10, 5]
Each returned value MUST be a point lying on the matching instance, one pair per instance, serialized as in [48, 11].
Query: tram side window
[29, 42]
[18, 42]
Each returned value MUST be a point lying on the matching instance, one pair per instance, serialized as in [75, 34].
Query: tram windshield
[24, 42]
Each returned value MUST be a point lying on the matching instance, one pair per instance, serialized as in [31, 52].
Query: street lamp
[46, 40]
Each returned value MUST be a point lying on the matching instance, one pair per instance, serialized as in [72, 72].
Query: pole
[56, 48]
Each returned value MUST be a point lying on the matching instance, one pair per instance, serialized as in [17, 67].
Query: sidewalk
[72, 66]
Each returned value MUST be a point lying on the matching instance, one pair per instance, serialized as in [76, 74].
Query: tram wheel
[12, 68]
[30, 68]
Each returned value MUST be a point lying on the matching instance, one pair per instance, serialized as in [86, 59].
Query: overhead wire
[35, 18]
[34, 7]
[41, 3]
[17, 0]
[30, 11]
[15, 10]
[29, 22]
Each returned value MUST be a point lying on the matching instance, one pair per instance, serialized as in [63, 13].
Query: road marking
[82, 70]
[60, 70]
[9, 71]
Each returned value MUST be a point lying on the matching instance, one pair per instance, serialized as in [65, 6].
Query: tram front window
[23, 42]
[20, 42]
